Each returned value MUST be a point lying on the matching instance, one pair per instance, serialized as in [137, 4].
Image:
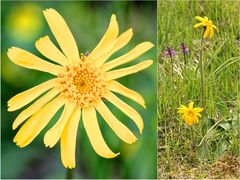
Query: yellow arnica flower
[190, 114]
[81, 83]
[207, 25]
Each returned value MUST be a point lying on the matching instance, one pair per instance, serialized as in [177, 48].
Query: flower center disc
[83, 84]
[190, 113]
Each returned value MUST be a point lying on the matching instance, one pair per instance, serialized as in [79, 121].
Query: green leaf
[221, 146]
[225, 125]
[203, 151]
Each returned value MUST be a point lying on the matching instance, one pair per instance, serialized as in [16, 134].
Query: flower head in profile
[189, 114]
[207, 25]
[170, 52]
[81, 82]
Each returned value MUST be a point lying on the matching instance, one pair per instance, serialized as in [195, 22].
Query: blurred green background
[22, 24]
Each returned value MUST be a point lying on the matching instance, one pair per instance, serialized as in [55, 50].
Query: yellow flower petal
[126, 109]
[37, 122]
[191, 105]
[121, 41]
[182, 109]
[120, 129]
[107, 40]
[198, 114]
[195, 119]
[119, 88]
[129, 70]
[198, 25]
[53, 135]
[211, 32]
[206, 32]
[45, 46]
[29, 60]
[199, 18]
[215, 28]
[198, 110]
[205, 18]
[25, 97]
[188, 120]
[131, 55]
[94, 134]
[62, 34]
[68, 139]
[35, 107]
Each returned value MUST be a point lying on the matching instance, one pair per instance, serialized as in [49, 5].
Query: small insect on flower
[190, 114]
[82, 82]
[170, 52]
[207, 25]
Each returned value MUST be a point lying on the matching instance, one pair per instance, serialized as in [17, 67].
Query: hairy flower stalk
[69, 173]
[201, 66]
[81, 83]
[208, 32]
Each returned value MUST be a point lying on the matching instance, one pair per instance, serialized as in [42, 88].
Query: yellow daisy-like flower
[80, 85]
[207, 25]
[190, 114]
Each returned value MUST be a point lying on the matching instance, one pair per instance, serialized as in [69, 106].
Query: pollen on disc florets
[83, 83]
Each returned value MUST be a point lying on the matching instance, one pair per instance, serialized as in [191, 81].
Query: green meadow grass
[216, 150]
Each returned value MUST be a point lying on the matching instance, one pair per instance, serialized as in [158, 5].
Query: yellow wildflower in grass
[80, 85]
[207, 25]
[190, 114]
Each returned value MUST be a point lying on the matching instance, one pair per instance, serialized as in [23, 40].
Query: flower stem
[185, 62]
[185, 59]
[193, 137]
[69, 174]
[171, 67]
[201, 66]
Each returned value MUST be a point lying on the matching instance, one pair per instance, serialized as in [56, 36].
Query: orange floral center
[83, 84]
[191, 113]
